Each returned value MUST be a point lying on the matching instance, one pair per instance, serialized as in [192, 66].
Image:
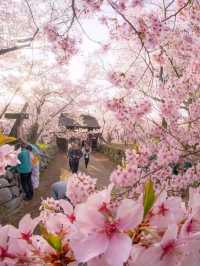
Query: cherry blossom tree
[137, 220]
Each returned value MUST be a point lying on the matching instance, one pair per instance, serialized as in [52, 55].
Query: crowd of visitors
[75, 153]
[29, 168]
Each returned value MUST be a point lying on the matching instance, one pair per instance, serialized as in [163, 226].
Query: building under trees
[77, 128]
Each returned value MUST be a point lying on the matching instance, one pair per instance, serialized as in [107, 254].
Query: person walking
[25, 169]
[86, 154]
[74, 155]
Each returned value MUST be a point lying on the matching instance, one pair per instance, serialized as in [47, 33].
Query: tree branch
[25, 42]
[171, 62]
[74, 16]
[19, 47]
[178, 11]
[30, 10]
[135, 31]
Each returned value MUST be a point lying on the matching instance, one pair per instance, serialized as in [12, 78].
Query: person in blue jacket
[24, 168]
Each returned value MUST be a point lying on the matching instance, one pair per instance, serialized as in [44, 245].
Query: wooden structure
[19, 117]
[77, 128]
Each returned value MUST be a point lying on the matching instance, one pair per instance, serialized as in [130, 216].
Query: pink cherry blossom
[153, 66]
[167, 211]
[51, 33]
[5, 255]
[191, 226]
[137, 3]
[79, 187]
[170, 250]
[8, 156]
[26, 227]
[104, 235]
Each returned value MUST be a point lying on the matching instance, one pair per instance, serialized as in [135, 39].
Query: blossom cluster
[79, 187]
[154, 229]
[64, 47]
[91, 5]
[132, 222]
[166, 167]
[123, 5]
[128, 113]
[167, 134]
[97, 231]
[151, 29]
[8, 156]
[120, 79]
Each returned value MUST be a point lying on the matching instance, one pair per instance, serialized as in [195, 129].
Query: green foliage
[53, 240]
[42, 146]
[115, 153]
[149, 196]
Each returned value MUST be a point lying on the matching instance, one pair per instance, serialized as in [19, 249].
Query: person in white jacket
[35, 176]
[86, 154]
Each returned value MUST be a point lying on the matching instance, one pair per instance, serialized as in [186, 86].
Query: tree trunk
[33, 133]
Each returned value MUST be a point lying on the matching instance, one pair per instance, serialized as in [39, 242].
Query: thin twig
[31, 12]
[135, 59]
[171, 62]
[178, 11]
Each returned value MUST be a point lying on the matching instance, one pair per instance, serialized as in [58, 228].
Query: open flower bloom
[192, 224]
[60, 220]
[102, 197]
[5, 256]
[26, 227]
[100, 233]
[58, 223]
[170, 251]
[11, 248]
[167, 211]
[190, 230]
[67, 209]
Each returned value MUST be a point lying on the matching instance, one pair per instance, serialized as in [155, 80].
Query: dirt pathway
[100, 167]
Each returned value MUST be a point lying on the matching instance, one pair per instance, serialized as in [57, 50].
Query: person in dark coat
[74, 155]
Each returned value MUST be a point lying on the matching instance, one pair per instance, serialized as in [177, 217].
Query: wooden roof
[72, 121]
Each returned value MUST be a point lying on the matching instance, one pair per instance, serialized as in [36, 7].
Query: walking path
[99, 167]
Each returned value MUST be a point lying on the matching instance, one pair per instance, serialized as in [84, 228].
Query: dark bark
[22, 46]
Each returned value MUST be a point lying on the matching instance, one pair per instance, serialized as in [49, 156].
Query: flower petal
[99, 261]
[4, 230]
[130, 214]
[27, 224]
[66, 206]
[118, 250]
[89, 247]
[88, 219]
[104, 196]
[170, 234]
